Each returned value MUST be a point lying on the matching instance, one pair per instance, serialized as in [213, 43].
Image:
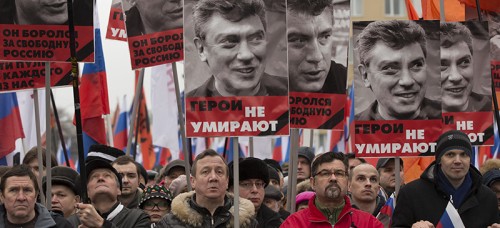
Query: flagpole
[135, 109]
[38, 143]
[76, 97]
[59, 129]
[236, 181]
[187, 164]
[137, 129]
[250, 146]
[292, 170]
[109, 131]
[48, 136]
[397, 167]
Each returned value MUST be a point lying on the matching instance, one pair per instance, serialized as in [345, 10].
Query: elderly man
[254, 177]
[35, 12]
[457, 73]
[151, 16]
[364, 187]
[230, 37]
[451, 179]
[392, 57]
[310, 40]
[19, 208]
[129, 171]
[103, 187]
[208, 205]
[330, 206]
[65, 190]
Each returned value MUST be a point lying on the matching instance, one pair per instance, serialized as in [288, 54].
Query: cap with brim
[101, 164]
[155, 191]
[383, 161]
[173, 164]
[66, 176]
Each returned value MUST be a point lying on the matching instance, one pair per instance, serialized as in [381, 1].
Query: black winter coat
[423, 199]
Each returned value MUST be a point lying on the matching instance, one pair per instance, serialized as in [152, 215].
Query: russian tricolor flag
[11, 127]
[450, 218]
[385, 214]
[120, 131]
[277, 152]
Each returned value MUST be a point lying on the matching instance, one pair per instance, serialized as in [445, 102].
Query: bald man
[364, 186]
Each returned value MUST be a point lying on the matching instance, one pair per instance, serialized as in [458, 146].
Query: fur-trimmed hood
[183, 211]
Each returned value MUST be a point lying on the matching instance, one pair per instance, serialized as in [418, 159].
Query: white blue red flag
[450, 218]
[11, 127]
[385, 214]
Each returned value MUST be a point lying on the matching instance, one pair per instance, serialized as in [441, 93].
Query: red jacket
[349, 217]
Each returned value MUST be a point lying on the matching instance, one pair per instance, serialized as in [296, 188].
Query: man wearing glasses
[254, 177]
[331, 205]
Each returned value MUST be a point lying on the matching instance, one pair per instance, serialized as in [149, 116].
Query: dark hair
[352, 155]
[232, 10]
[33, 154]
[310, 7]
[19, 171]
[328, 157]
[453, 32]
[395, 34]
[3, 170]
[124, 160]
[206, 153]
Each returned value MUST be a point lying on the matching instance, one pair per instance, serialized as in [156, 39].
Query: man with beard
[364, 187]
[151, 16]
[331, 205]
[450, 183]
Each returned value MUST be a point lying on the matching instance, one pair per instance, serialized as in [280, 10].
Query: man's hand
[88, 215]
[494, 225]
[422, 224]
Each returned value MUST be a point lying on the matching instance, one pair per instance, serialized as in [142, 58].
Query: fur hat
[250, 168]
[452, 140]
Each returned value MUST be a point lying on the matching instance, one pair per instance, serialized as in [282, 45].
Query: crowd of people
[334, 189]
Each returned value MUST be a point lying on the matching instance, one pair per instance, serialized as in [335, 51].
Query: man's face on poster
[456, 76]
[397, 79]
[309, 50]
[234, 52]
[160, 15]
[41, 12]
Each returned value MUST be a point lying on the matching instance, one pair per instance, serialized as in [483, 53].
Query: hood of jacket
[430, 174]
[184, 212]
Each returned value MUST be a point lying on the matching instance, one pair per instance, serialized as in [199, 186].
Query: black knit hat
[452, 140]
[307, 152]
[273, 163]
[250, 168]
[273, 193]
[491, 176]
[273, 173]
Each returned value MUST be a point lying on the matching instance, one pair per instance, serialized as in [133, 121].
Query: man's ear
[364, 75]
[311, 179]
[200, 48]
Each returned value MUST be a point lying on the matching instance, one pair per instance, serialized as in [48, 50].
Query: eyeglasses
[249, 185]
[328, 173]
[150, 205]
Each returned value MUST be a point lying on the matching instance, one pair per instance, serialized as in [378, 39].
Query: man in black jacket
[254, 177]
[451, 178]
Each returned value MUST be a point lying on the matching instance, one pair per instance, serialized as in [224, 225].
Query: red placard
[29, 75]
[391, 138]
[156, 48]
[116, 23]
[317, 110]
[477, 125]
[236, 116]
[45, 43]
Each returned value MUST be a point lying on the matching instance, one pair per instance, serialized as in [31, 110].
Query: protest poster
[232, 89]
[29, 75]
[317, 57]
[35, 31]
[397, 88]
[116, 22]
[155, 32]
